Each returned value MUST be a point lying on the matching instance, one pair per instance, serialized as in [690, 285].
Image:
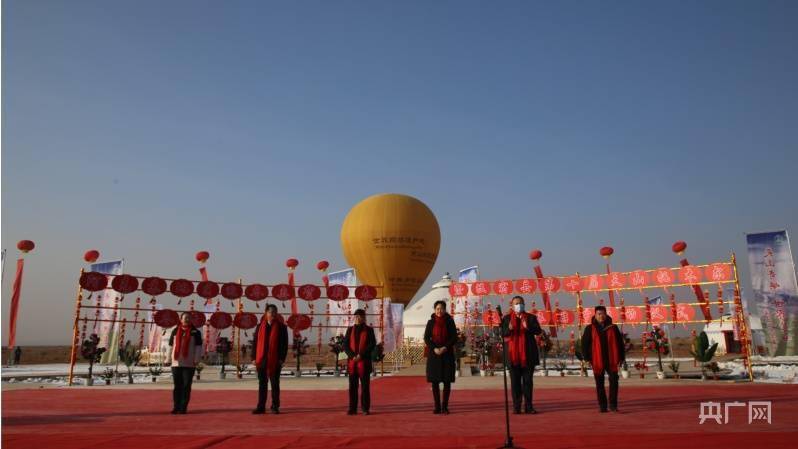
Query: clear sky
[151, 130]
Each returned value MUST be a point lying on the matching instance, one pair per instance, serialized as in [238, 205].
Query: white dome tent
[418, 311]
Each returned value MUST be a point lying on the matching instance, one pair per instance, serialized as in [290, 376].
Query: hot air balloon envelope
[391, 240]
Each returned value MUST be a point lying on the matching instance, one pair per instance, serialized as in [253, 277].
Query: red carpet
[652, 417]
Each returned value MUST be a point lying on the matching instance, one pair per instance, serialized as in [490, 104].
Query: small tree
[223, 349]
[459, 347]
[544, 344]
[657, 341]
[92, 353]
[130, 356]
[579, 356]
[300, 348]
[702, 352]
[337, 347]
[627, 348]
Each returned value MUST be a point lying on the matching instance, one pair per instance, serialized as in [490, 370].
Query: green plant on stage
[223, 349]
[91, 351]
[674, 366]
[107, 375]
[299, 347]
[544, 345]
[241, 369]
[200, 366]
[337, 347]
[130, 356]
[703, 352]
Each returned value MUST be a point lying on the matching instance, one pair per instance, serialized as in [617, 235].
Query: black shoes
[531, 411]
[602, 410]
[174, 411]
[258, 411]
[351, 412]
[366, 412]
[445, 411]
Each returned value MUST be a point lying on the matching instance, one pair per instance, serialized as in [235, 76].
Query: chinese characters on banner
[775, 289]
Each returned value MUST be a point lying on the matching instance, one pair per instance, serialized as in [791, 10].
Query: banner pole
[742, 321]
[73, 354]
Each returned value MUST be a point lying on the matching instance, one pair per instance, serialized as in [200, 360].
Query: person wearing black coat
[519, 329]
[269, 350]
[440, 337]
[359, 343]
[603, 346]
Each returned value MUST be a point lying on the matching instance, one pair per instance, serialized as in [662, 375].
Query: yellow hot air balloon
[391, 240]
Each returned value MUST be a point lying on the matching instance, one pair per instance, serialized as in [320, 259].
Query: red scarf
[597, 356]
[272, 346]
[182, 341]
[517, 340]
[358, 367]
[440, 334]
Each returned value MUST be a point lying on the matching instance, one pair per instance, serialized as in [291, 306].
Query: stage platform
[656, 415]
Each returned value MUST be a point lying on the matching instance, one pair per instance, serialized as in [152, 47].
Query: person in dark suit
[359, 342]
[603, 345]
[269, 349]
[519, 329]
[440, 337]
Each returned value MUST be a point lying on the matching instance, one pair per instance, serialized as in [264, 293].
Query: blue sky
[150, 130]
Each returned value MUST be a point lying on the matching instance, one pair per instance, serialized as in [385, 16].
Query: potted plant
[627, 347]
[223, 349]
[579, 356]
[130, 356]
[155, 371]
[107, 375]
[319, 366]
[544, 345]
[482, 347]
[337, 347]
[656, 341]
[641, 368]
[459, 351]
[299, 348]
[92, 353]
[715, 368]
[703, 352]
[561, 366]
[198, 369]
[674, 366]
[625, 370]
[377, 356]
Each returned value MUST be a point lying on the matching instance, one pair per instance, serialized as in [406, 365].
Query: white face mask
[518, 308]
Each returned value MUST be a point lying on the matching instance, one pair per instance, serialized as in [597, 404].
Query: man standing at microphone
[519, 329]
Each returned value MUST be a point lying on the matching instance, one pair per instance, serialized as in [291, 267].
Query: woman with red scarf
[269, 348]
[519, 329]
[359, 343]
[440, 337]
[186, 351]
[602, 344]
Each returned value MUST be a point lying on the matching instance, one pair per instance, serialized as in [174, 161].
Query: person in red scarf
[602, 344]
[359, 343]
[440, 337]
[519, 329]
[269, 349]
[186, 351]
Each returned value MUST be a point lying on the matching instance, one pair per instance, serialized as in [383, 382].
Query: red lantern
[125, 283]
[337, 292]
[718, 272]
[153, 286]
[91, 256]
[283, 292]
[502, 288]
[573, 284]
[291, 263]
[689, 274]
[365, 293]
[458, 289]
[245, 320]
[221, 320]
[166, 318]
[181, 288]
[299, 322]
[480, 288]
[526, 286]
[606, 251]
[664, 276]
[638, 279]
[256, 292]
[202, 256]
[309, 292]
[679, 247]
[565, 317]
[549, 284]
[208, 289]
[593, 282]
[93, 281]
[659, 314]
[491, 318]
[685, 312]
[25, 246]
[232, 290]
[616, 280]
[323, 265]
[535, 254]
[197, 318]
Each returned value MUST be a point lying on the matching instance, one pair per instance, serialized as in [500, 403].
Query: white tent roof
[418, 311]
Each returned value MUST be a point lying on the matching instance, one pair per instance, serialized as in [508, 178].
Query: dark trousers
[521, 381]
[365, 397]
[602, 394]
[263, 387]
[182, 377]
[436, 394]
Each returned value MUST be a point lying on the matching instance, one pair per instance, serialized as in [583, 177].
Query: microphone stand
[508, 441]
